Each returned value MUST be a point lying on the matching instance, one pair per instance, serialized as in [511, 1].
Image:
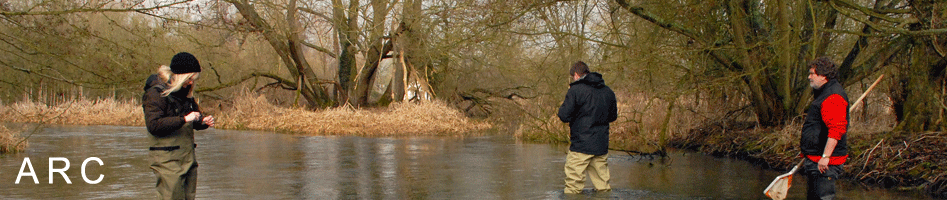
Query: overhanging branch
[878, 60]
[717, 56]
[872, 12]
[282, 82]
[81, 10]
[286, 83]
[318, 48]
[889, 29]
[640, 12]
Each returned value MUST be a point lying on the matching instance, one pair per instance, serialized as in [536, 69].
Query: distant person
[172, 115]
[823, 140]
[588, 108]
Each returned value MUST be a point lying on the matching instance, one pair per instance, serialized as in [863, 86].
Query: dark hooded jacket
[164, 115]
[588, 108]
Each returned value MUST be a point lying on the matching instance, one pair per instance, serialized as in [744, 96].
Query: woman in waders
[172, 115]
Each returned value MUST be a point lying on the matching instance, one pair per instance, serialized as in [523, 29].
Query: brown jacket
[164, 115]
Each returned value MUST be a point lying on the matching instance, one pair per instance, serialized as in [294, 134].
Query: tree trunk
[318, 97]
[378, 49]
[345, 22]
[921, 108]
[291, 58]
[410, 42]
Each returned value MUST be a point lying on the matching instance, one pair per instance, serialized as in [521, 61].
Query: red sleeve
[834, 113]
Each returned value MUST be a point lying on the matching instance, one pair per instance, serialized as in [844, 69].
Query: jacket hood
[593, 79]
[152, 81]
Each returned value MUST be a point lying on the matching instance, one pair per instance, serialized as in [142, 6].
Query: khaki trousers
[176, 173]
[576, 166]
[175, 169]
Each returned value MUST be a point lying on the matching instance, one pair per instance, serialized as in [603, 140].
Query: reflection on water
[260, 165]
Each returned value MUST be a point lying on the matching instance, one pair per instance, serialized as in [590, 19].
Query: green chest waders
[174, 164]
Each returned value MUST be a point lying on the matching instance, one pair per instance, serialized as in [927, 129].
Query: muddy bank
[902, 161]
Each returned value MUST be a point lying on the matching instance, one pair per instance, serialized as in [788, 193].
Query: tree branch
[855, 33]
[870, 12]
[889, 29]
[81, 10]
[282, 82]
[28, 71]
[320, 49]
[640, 12]
[313, 12]
[279, 80]
[580, 36]
[874, 62]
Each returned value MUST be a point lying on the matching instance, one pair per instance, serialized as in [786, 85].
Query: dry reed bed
[107, 111]
[427, 118]
[431, 118]
[11, 141]
[639, 127]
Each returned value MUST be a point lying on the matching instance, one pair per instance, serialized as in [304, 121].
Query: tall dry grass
[426, 118]
[102, 111]
[643, 123]
[11, 141]
[256, 113]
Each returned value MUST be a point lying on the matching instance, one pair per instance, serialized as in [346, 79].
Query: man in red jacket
[823, 140]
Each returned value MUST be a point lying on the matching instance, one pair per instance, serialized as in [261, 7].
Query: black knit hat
[183, 63]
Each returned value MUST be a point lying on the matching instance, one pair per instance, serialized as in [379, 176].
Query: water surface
[263, 165]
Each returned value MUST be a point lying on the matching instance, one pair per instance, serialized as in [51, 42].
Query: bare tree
[57, 49]
[759, 45]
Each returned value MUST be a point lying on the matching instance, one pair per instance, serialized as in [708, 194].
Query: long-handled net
[779, 188]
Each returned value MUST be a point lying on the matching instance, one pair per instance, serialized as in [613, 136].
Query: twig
[42, 122]
[869, 154]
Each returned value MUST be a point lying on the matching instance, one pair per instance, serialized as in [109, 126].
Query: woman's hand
[191, 117]
[209, 120]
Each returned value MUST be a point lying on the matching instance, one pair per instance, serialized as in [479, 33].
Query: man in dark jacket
[823, 140]
[588, 108]
[172, 116]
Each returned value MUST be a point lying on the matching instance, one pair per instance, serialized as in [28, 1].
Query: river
[265, 165]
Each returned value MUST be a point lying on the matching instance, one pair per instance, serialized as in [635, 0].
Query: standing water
[261, 165]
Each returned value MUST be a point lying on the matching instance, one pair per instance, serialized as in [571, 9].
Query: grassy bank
[256, 113]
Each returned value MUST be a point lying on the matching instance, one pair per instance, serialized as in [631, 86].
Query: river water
[264, 165]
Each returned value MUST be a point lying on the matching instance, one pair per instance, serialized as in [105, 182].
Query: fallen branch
[868, 157]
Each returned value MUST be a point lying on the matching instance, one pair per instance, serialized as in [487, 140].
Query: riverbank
[11, 141]
[901, 161]
[878, 156]
[256, 113]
